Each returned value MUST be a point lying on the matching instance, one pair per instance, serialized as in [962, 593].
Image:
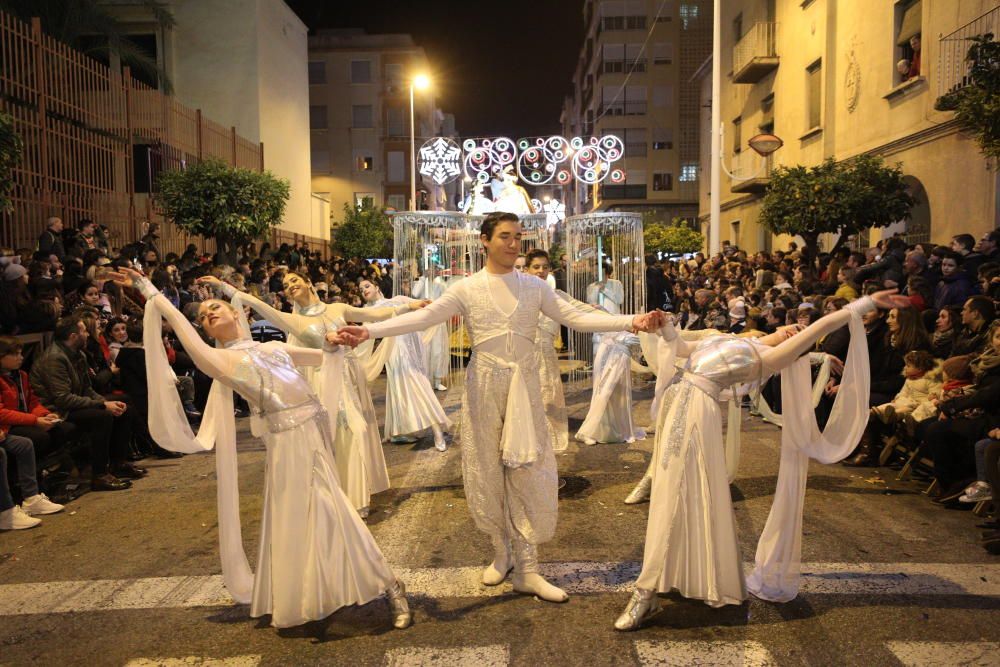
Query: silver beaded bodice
[725, 360]
[267, 378]
[484, 320]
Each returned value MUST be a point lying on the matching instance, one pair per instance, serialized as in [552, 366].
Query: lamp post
[419, 82]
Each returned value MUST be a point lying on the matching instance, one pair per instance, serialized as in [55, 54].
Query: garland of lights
[538, 160]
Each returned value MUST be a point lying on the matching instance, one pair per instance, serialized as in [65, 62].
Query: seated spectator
[888, 269]
[946, 330]
[116, 334]
[21, 412]
[922, 381]
[847, 289]
[978, 314]
[982, 490]
[51, 240]
[955, 286]
[61, 378]
[103, 374]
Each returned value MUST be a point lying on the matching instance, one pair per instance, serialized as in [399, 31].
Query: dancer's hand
[124, 277]
[208, 280]
[649, 322]
[889, 299]
[788, 331]
[417, 305]
[352, 336]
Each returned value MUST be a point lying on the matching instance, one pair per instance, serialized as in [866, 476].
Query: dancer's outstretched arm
[440, 310]
[211, 361]
[777, 358]
[380, 314]
[290, 323]
[305, 356]
[565, 313]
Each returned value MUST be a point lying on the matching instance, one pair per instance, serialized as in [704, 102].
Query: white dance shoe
[440, 387]
[642, 605]
[640, 493]
[441, 444]
[399, 606]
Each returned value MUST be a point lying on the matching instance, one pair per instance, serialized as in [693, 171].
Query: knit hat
[737, 309]
[958, 368]
[13, 272]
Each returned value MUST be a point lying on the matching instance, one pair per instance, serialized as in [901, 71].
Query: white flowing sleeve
[566, 314]
[440, 310]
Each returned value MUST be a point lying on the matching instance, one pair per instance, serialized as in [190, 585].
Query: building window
[663, 96]
[634, 138]
[396, 122]
[663, 138]
[737, 135]
[360, 197]
[363, 161]
[688, 14]
[814, 92]
[635, 100]
[320, 160]
[738, 28]
[908, 24]
[317, 117]
[663, 181]
[317, 72]
[767, 113]
[635, 22]
[663, 53]
[361, 115]
[394, 76]
[689, 172]
[361, 71]
[397, 167]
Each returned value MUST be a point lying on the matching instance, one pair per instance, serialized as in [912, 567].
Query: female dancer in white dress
[508, 465]
[437, 356]
[691, 542]
[316, 555]
[357, 445]
[609, 418]
[410, 403]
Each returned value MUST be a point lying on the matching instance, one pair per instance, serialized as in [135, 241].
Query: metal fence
[95, 139]
[953, 70]
[758, 42]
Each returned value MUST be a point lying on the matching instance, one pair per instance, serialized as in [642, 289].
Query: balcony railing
[754, 56]
[624, 109]
[622, 66]
[953, 70]
[755, 176]
[623, 191]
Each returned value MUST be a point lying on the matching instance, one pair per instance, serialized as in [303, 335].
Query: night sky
[502, 68]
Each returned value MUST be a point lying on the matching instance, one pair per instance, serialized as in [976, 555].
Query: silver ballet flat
[642, 605]
[400, 607]
[640, 493]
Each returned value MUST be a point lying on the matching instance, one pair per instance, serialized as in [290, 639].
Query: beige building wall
[864, 108]
[348, 160]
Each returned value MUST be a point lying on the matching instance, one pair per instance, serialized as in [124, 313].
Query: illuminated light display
[441, 160]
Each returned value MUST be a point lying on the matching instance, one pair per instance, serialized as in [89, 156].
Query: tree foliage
[675, 238]
[11, 150]
[364, 231]
[78, 22]
[835, 198]
[213, 199]
[977, 104]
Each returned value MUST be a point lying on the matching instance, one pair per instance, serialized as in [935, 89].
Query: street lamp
[761, 144]
[419, 82]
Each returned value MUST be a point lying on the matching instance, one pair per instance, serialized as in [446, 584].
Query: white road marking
[946, 654]
[695, 653]
[495, 655]
[196, 661]
[980, 579]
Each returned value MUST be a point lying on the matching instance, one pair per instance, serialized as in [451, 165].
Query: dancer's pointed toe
[643, 604]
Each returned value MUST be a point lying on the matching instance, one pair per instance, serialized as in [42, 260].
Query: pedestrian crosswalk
[696, 653]
[577, 578]
[495, 655]
[946, 654]
[196, 661]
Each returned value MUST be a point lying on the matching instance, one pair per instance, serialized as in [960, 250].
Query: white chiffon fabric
[779, 551]
[316, 555]
[819, 359]
[609, 418]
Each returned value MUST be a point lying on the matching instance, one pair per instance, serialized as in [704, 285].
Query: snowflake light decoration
[441, 160]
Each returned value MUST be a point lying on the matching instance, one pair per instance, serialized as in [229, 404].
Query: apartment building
[359, 113]
[840, 79]
[634, 79]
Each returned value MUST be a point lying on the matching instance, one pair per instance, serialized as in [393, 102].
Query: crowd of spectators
[82, 402]
[81, 405]
[935, 365]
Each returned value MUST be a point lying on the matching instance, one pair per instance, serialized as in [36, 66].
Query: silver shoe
[640, 493]
[642, 605]
[401, 616]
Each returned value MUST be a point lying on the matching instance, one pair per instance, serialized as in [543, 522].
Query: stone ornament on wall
[852, 81]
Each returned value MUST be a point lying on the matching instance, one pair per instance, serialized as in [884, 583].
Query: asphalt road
[132, 577]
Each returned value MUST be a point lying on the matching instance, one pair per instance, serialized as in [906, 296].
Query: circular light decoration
[540, 157]
[594, 156]
[441, 160]
[488, 155]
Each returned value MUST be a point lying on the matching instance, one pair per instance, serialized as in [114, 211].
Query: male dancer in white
[508, 466]
[410, 403]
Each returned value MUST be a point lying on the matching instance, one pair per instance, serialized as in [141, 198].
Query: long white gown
[609, 418]
[436, 352]
[691, 539]
[410, 403]
[315, 555]
[508, 465]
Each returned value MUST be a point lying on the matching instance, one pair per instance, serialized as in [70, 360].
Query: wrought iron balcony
[953, 70]
[754, 55]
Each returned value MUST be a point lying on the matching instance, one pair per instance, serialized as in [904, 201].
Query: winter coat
[11, 413]
[61, 378]
[953, 290]
[915, 396]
